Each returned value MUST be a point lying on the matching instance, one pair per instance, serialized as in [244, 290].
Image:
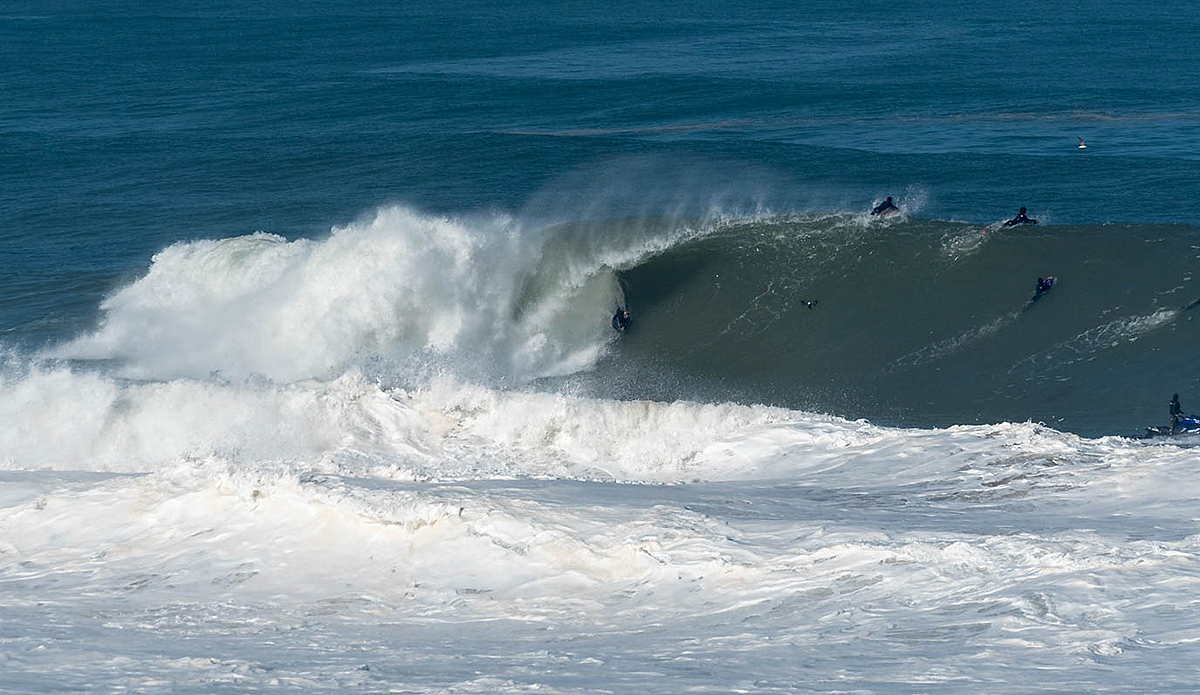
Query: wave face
[902, 321]
[921, 322]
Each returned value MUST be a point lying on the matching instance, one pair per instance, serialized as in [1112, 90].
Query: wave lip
[426, 291]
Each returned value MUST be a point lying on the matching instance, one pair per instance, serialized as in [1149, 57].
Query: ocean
[308, 382]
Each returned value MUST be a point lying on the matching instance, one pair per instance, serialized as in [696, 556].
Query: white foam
[952, 345]
[64, 420]
[400, 285]
[1103, 337]
[337, 536]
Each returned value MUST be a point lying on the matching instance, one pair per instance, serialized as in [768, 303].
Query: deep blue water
[127, 127]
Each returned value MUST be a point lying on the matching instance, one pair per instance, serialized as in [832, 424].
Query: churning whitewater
[309, 381]
[396, 286]
[414, 456]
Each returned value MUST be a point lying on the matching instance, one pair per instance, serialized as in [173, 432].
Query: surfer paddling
[885, 208]
[1021, 218]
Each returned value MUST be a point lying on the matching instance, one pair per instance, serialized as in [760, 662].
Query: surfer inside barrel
[620, 320]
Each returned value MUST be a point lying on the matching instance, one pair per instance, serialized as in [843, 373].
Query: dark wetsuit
[1021, 218]
[620, 320]
[885, 206]
[1176, 412]
[1044, 285]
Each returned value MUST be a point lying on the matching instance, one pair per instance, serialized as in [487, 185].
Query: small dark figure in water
[1043, 286]
[1021, 218]
[1176, 413]
[620, 320]
[885, 207]
[810, 303]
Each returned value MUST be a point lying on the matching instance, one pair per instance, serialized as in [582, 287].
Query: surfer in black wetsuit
[810, 303]
[1021, 218]
[885, 207]
[1176, 413]
[620, 320]
[1043, 286]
